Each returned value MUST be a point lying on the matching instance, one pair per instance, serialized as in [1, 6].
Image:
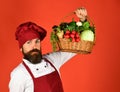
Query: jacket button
[37, 69]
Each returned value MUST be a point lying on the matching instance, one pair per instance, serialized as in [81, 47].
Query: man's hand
[81, 13]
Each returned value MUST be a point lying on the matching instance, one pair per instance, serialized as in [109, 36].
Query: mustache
[34, 50]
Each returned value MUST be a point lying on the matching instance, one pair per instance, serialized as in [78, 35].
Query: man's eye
[28, 42]
[37, 41]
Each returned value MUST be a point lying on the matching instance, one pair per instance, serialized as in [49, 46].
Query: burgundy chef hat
[28, 31]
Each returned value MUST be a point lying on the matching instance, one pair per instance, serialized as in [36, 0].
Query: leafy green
[86, 25]
[72, 25]
[54, 39]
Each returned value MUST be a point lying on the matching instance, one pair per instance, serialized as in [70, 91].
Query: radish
[66, 36]
[73, 32]
[72, 35]
[67, 32]
[73, 39]
[77, 39]
[77, 35]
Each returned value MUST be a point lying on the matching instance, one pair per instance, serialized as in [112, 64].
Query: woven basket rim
[83, 47]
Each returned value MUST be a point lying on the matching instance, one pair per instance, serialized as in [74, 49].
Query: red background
[97, 72]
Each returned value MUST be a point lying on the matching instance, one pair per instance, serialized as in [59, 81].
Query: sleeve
[17, 82]
[59, 58]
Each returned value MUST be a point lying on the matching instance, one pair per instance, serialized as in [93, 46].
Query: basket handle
[72, 13]
[69, 14]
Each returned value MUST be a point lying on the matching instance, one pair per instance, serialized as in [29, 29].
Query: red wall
[97, 72]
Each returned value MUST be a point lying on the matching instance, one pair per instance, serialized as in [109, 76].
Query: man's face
[31, 51]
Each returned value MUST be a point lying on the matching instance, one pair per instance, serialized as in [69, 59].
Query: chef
[36, 72]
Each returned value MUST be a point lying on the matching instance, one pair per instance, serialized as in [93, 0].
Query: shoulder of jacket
[51, 53]
[19, 71]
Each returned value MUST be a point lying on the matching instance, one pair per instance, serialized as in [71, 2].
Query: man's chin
[33, 56]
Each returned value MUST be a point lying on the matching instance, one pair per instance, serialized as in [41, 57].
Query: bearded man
[36, 72]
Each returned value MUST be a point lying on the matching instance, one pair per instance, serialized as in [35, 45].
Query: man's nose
[34, 45]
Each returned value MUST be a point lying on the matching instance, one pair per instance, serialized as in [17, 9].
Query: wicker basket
[83, 47]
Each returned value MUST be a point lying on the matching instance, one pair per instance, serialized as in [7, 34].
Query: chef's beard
[34, 56]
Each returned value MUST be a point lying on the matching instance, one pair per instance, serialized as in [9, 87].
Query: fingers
[81, 13]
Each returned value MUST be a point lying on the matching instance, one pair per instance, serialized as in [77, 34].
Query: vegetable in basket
[74, 31]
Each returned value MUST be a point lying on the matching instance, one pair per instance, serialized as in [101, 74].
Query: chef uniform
[41, 77]
[23, 81]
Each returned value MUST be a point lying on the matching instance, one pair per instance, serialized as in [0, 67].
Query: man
[37, 72]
